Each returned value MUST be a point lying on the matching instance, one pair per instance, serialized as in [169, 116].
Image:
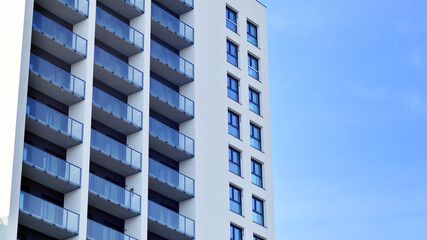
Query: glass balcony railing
[118, 67]
[119, 28]
[172, 23]
[116, 149]
[115, 193]
[97, 231]
[171, 136]
[172, 59]
[81, 6]
[117, 107]
[51, 164]
[171, 177]
[138, 4]
[59, 33]
[187, 2]
[57, 76]
[54, 119]
[49, 212]
[170, 218]
[171, 97]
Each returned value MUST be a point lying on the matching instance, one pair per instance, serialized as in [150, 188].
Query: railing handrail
[166, 126]
[89, 221]
[120, 61]
[174, 54]
[78, 10]
[134, 4]
[185, 2]
[117, 100]
[152, 161]
[172, 91]
[34, 56]
[57, 25]
[168, 210]
[55, 110]
[26, 145]
[114, 140]
[121, 22]
[156, 7]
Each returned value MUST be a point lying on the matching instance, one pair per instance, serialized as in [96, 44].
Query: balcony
[170, 142]
[127, 8]
[114, 155]
[169, 182]
[115, 113]
[170, 29]
[57, 40]
[116, 73]
[118, 34]
[170, 66]
[72, 11]
[53, 125]
[96, 231]
[49, 170]
[169, 224]
[178, 6]
[170, 103]
[113, 199]
[46, 217]
[55, 82]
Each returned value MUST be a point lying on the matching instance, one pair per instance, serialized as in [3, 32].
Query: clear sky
[348, 82]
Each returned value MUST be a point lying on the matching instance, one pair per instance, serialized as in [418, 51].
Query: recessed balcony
[114, 155]
[169, 224]
[115, 113]
[57, 40]
[169, 182]
[49, 170]
[46, 217]
[116, 73]
[53, 125]
[178, 6]
[170, 29]
[170, 142]
[127, 8]
[170, 103]
[72, 11]
[118, 34]
[55, 82]
[97, 231]
[170, 66]
[113, 199]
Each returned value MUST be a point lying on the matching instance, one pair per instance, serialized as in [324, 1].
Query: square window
[258, 211]
[256, 172]
[234, 160]
[236, 233]
[235, 200]
[231, 22]
[254, 104]
[253, 67]
[232, 53]
[252, 31]
[255, 136]
[233, 88]
[233, 124]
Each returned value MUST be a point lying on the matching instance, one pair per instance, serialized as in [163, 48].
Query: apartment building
[136, 119]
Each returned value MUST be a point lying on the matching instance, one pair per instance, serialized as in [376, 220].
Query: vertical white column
[79, 155]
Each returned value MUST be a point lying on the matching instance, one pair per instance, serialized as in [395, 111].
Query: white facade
[208, 206]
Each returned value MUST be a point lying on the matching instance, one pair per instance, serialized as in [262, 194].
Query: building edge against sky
[230, 81]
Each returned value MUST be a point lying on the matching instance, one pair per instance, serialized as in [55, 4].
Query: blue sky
[348, 82]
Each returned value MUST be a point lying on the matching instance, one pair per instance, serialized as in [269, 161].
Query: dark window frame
[235, 229]
[254, 102]
[230, 90]
[252, 33]
[254, 138]
[231, 19]
[234, 158]
[234, 123]
[236, 197]
[253, 66]
[232, 53]
[257, 211]
[255, 174]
